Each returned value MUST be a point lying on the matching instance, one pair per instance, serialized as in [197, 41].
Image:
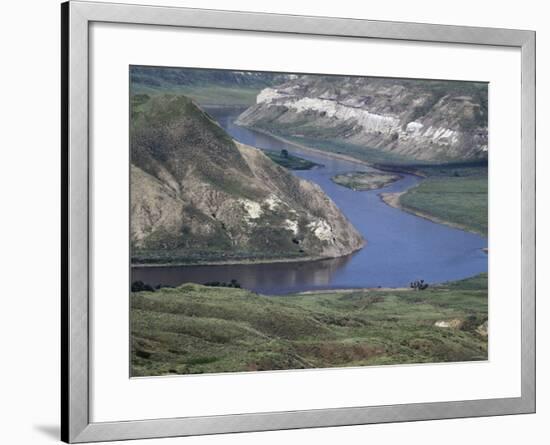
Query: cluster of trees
[232, 283]
[419, 285]
[140, 286]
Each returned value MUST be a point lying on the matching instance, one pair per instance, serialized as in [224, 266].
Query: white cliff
[419, 120]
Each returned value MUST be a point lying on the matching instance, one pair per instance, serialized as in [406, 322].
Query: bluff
[199, 196]
[415, 119]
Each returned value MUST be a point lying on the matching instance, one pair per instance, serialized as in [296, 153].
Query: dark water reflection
[401, 247]
[274, 278]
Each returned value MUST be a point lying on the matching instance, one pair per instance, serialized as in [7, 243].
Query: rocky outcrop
[421, 120]
[198, 196]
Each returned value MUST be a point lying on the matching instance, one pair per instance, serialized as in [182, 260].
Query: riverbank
[312, 150]
[250, 261]
[195, 329]
[393, 200]
[459, 202]
[375, 166]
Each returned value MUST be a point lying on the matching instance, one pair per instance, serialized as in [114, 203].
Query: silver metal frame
[76, 18]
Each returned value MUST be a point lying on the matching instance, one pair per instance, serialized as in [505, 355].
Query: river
[401, 247]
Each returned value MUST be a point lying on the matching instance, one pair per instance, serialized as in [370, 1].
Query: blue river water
[400, 248]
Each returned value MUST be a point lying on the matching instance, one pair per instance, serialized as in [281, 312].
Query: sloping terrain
[197, 196]
[414, 119]
[196, 329]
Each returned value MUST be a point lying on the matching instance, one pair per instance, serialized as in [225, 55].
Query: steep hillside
[198, 196]
[419, 120]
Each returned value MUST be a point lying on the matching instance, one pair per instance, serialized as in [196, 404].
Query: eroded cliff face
[420, 120]
[198, 196]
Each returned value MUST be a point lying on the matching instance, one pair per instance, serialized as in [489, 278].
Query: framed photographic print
[276, 222]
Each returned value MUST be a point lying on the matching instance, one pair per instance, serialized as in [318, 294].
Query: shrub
[233, 283]
[140, 286]
[419, 285]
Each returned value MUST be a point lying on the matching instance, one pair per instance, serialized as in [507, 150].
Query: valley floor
[454, 193]
[195, 329]
[459, 202]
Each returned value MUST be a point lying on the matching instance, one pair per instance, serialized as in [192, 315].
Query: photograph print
[283, 221]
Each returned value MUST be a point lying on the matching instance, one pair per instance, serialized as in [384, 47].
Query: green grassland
[195, 329]
[454, 193]
[447, 169]
[205, 86]
[459, 201]
[206, 95]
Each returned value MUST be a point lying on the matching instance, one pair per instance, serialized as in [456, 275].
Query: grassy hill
[198, 329]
